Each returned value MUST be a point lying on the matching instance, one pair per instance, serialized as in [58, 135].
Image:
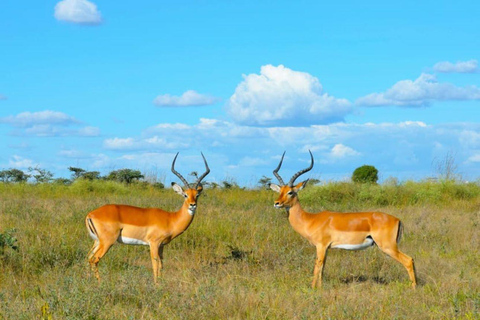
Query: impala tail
[400, 231]
[91, 229]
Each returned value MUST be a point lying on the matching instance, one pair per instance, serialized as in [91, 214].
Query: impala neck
[184, 218]
[297, 217]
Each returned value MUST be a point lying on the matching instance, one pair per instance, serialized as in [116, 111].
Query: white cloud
[470, 66]
[47, 117]
[89, 132]
[340, 151]
[474, 158]
[281, 96]
[71, 153]
[21, 162]
[47, 130]
[188, 98]
[394, 148]
[78, 11]
[252, 162]
[155, 142]
[119, 143]
[48, 124]
[419, 93]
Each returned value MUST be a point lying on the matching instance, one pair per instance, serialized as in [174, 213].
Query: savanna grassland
[240, 259]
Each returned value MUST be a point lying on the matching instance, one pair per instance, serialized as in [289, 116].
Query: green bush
[7, 240]
[365, 174]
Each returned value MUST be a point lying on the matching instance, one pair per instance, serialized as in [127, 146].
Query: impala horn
[299, 173]
[275, 172]
[199, 180]
[178, 174]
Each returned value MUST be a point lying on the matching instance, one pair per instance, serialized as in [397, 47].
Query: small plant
[365, 174]
[7, 240]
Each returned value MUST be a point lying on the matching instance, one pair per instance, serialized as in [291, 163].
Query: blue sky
[105, 85]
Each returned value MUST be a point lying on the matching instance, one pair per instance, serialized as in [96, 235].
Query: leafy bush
[365, 174]
[7, 240]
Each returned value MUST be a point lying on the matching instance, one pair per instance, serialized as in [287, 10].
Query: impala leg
[156, 262]
[160, 255]
[96, 255]
[92, 251]
[319, 262]
[405, 260]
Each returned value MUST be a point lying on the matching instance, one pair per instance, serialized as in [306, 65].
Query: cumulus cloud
[419, 93]
[340, 151]
[281, 96]
[78, 11]
[470, 66]
[187, 99]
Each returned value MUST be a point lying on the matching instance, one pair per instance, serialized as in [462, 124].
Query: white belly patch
[367, 243]
[133, 241]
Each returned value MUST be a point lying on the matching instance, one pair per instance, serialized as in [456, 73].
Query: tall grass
[240, 259]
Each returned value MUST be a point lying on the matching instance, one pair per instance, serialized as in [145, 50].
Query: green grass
[240, 259]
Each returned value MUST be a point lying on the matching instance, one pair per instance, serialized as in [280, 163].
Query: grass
[240, 259]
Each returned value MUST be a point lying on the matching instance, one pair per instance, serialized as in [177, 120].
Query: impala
[349, 231]
[152, 227]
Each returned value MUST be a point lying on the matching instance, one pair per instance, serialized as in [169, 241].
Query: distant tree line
[363, 174]
[39, 175]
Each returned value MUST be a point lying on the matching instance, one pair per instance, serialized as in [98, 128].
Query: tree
[194, 174]
[447, 168]
[62, 181]
[41, 175]
[265, 181]
[365, 174]
[13, 175]
[76, 172]
[91, 175]
[229, 184]
[125, 175]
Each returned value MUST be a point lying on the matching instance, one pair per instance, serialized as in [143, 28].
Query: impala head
[288, 192]
[190, 193]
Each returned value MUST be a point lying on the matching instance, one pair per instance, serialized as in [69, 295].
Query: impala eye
[290, 193]
[185, 195]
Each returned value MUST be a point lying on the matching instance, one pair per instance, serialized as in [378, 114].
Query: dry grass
[240, 259]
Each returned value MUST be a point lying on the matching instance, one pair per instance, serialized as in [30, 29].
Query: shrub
[365, 174]
[7, 240]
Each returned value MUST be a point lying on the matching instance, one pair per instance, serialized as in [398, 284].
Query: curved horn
[275, 172]
[203, 175]
[299, 173]
[178, 174]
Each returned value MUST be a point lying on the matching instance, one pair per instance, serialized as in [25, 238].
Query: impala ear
[199, 188]
[178, 189]
[300, 186]
[275, 187]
